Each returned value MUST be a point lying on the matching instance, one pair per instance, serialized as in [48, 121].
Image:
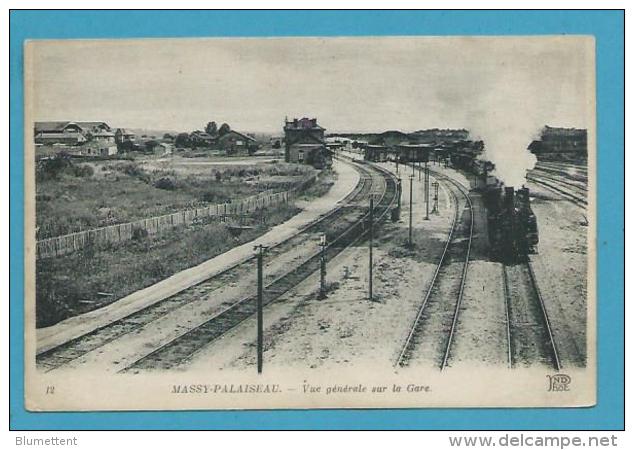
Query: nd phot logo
[559, 382]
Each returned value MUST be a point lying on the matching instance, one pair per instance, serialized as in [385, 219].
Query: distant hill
[394, 137]
[149, 132]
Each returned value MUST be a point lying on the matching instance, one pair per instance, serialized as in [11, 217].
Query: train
[512, 225]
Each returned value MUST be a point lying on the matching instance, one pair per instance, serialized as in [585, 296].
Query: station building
[305, 143]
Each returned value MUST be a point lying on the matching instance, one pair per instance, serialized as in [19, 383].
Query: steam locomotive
[511, 223]
[512, 226]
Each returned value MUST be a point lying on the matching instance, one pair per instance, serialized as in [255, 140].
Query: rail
[407, 346]
[183, 347]
[542, 305]
[570, 196]
[464, 274]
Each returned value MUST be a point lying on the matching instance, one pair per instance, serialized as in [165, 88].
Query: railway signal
[411, 207]
[426, 191]
[435, 208]
[260, 249]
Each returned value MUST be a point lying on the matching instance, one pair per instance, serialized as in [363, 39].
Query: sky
[348, 84]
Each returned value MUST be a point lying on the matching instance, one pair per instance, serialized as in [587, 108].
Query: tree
[211, 128]
[224, 129]
[182, 140]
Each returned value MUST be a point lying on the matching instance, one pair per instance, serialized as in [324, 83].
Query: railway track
[438, 314]
[185, 346]
[571, 168]
[578, 185]
[335, 224]
[529, 333]
[561, 188]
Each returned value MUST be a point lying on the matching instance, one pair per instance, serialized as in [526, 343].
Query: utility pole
[260, 249]
[371, 243]
[426, 191]
[411, 207]
[322, 260]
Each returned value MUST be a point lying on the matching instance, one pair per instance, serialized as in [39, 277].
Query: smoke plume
[509, 115]
[506, 147]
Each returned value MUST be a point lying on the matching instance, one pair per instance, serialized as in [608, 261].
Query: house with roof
[305, 143]
[67, 133]
[234, 143]
[201, 139]
[563, 144]
[99, 148]
[122, 135]
[70, 133]
[104, 137]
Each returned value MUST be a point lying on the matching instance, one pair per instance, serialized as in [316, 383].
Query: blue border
[606, 26]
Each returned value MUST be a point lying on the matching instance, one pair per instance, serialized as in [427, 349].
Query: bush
[131, 169]
[51, 169]
[209, 196]
[83, 171]
[139, 234]
[165, 183]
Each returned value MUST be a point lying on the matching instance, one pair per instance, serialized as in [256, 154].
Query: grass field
[73, 196]
[94, 277]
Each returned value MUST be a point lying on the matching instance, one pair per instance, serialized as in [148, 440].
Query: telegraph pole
[322, 260]
[371, 243]
[411, 207]
[260, 249]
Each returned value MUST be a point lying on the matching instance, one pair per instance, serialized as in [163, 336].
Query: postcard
[340, 222]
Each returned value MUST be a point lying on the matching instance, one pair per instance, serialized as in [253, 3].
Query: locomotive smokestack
[509, 192]
[523, 196]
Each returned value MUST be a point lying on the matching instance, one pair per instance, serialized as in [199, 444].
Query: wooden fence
[113, 234]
